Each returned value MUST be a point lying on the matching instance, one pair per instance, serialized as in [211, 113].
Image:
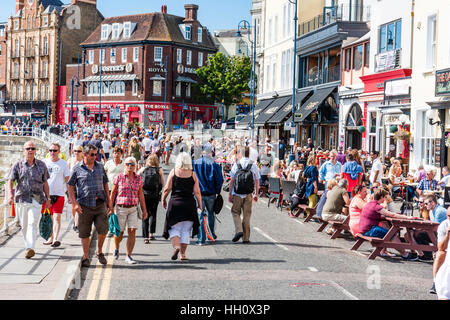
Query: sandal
[56, 244]
[47, 243]
[146, 241]
[175, 254]
[183, 258]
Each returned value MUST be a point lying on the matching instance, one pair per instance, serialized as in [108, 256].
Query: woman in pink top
[356, 205]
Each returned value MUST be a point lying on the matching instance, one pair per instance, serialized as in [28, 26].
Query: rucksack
[243, 182]
[152, 182]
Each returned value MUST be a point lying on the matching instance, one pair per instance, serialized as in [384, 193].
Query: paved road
[287, 260]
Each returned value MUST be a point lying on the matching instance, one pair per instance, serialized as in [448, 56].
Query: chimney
[191, 12]
[164, 9]
[20, 4]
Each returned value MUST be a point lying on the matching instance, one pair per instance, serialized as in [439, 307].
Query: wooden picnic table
[394, 240]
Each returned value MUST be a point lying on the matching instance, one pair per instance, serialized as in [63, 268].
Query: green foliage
[225, 78]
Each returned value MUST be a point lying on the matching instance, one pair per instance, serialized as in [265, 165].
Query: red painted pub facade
[140, 68]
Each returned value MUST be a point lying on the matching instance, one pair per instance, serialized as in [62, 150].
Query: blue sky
[213, 14]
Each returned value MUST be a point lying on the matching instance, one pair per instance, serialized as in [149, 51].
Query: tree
[225, 79]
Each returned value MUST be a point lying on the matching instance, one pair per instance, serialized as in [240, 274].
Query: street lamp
[165, 93]
[246, 25]
[295, 2]
[71, 101]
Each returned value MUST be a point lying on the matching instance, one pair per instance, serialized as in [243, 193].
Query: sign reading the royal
[443, 82]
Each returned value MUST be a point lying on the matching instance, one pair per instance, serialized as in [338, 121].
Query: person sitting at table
[337, 199]
[423, 211]
[395, 178]
[443, 237]
[372, 214]
[427, 184]
[293, 166]
[330, 185]
[352, 172]
[437, 214]
[420, 174]
[445, 177]
[297, 172]
[356, 205]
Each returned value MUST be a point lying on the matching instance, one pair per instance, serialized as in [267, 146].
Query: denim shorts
[376, 232]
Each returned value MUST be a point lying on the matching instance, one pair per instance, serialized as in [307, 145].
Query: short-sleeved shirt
[89, 183]
[426, 184]
[266, 161]
[442, 230]
[376, 166]
[30, 181]
[112, 170]
[335, 201]
[58, 171]
[370, 216]
[244, 162]
[128, 189]
[439, 214]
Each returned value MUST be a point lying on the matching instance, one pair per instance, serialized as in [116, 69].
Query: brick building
[3, 28]
[43, 36]
[141, 68]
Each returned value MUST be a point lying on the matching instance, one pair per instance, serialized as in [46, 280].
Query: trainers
[426, 258]
[130, 260]
[29, 253]
[237, 236]
[433, 289]
[411, 256]
[75, 228]
[116, 254]
[101, 258]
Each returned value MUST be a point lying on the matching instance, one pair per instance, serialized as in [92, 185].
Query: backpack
[244, 183]
[151, 182]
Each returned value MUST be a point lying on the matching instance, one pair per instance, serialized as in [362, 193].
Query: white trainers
[130, 260]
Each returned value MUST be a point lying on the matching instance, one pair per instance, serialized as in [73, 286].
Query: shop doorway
[353, 126]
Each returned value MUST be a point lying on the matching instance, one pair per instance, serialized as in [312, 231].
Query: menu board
[437, 151]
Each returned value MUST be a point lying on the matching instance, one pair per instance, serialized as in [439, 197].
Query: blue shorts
[376, 232]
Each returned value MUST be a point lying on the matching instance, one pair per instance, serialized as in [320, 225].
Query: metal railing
[355, 13]
[52, 138]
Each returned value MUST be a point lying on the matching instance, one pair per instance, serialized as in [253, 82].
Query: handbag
[139, 212]
[46, 225]
[218, 204]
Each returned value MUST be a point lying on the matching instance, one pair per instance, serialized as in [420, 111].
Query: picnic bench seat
[340, 226]
[360, 239]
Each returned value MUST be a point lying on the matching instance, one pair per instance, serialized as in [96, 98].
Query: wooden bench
[340, 226]
[360, 239]
[323, 224]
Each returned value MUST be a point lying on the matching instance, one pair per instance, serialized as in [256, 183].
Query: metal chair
[274, 190]
[288, 187]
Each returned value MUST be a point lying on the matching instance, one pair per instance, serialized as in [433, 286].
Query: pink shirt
[128, 189]
[356, 206]
[370, 216]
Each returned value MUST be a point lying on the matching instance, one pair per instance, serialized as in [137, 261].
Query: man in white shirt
[377, 168]
[106, 144]
[59, 175]
[147, 143]
[445, 177]
[253, 152]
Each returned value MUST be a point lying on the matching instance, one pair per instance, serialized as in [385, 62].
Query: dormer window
[116, 29]
[127, 29]
[45, 21]
[187, 33]
[105, 31]
[200, 34]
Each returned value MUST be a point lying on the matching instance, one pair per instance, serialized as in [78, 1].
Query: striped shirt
[90, 184]
[426, 184]
[128, 189]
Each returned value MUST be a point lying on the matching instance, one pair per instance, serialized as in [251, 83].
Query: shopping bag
[46, 225]
[114, 227]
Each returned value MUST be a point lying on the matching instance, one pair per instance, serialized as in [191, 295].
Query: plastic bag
[46, 225]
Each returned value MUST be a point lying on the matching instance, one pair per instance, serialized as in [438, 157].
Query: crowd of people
[108, 171]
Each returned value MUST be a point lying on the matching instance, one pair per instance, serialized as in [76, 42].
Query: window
[390, 36]
[367, 55]
[357, 57]
[266, 76]
[189, 57]
[46, 45]
[428, 141]
[105, 32]
[200, 34]
[158, 51]
[135, 88]
[45, 21]
[45, 68]
[275, 29]
[102, 55]
[188, 90]
[2, 32]
[13, 94]
[348, 58]
[16, 25]
[127, 29]
[135, 54]
[91, 57]
[113, 55]
[124, 55]
[269, 34]
[47, 92]
[115, 30]
[179, 55]
[200, 59]
[178, 89]
[274, 76]
[157, 87]
[42, 92]
[431, 42]
[187, 33]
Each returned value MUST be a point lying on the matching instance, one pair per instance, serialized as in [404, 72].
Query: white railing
[48, 137]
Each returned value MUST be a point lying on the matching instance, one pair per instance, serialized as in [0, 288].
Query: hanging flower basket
[402, 135]
[393, 129]
[361, 129]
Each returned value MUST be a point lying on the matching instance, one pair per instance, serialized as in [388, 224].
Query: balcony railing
[334, 14]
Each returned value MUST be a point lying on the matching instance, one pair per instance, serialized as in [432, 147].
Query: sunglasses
[30, 149]
[93, 154]
[427, 203]
[421, 202]
[53, 150]
[77, 151]
[130, 164]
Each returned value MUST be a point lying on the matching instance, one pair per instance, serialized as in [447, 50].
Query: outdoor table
[394, 240]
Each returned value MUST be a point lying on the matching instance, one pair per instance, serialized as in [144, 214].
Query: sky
[213, 14]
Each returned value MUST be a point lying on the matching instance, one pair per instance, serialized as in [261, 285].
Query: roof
[46, 3]
[154, 26]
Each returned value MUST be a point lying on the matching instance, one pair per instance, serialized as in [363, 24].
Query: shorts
[97, 215]
[376, 232]
[127, 217]
[183, 230]
[57, 207]
[333, 217]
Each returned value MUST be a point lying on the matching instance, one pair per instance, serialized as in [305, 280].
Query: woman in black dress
[181, 217]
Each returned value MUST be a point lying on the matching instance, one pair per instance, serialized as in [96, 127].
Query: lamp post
[100, 93]
[71, 101]
[78, 82]
[246, 25]
[294, 2]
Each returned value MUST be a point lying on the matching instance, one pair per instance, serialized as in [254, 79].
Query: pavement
[49, 275]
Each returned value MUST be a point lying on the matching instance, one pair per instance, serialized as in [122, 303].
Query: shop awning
[286, 111]
[247, 120]
[270, 111]
[444, 104]
[185, 79]
[111, 77]
[158, 77]
[312, 103]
